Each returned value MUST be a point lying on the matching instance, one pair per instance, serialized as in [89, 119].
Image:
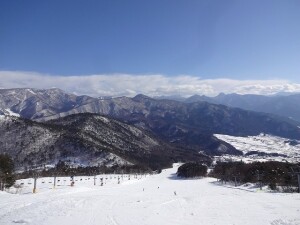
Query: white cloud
[152, 85]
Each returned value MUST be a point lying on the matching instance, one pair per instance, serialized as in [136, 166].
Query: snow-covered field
[148, 200]
[263, 143]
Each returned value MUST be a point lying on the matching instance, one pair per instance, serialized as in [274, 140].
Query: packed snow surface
[149, 200]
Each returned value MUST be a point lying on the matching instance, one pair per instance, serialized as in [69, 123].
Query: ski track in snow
[197, 202]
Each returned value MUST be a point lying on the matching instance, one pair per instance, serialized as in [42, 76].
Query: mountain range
[183, 128]
[282, 105]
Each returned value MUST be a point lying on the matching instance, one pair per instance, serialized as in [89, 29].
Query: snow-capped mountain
[86, 139]
[36, 103]
[190, 125]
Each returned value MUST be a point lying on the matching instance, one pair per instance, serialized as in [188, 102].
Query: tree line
[277, 175]
[64, 169]
[280, 176]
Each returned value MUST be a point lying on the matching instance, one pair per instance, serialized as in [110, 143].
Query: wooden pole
[298, 182]
[34, 185]
[54, 183]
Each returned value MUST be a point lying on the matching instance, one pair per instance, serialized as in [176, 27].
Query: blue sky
[206, 39]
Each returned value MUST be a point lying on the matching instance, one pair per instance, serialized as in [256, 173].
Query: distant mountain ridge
[283, 105]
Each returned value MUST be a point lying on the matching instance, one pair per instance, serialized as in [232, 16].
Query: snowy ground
[263, 143]
[197, 202]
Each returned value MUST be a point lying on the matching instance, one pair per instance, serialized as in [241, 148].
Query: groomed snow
[197, 202]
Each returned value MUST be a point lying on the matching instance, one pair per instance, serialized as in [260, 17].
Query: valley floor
[151, 201]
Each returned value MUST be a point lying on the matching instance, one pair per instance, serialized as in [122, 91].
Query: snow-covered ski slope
[196, 202]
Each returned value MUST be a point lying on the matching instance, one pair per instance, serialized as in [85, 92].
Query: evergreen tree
[7, 178]
[192, 170]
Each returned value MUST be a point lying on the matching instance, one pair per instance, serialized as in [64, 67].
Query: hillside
[85, 139]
